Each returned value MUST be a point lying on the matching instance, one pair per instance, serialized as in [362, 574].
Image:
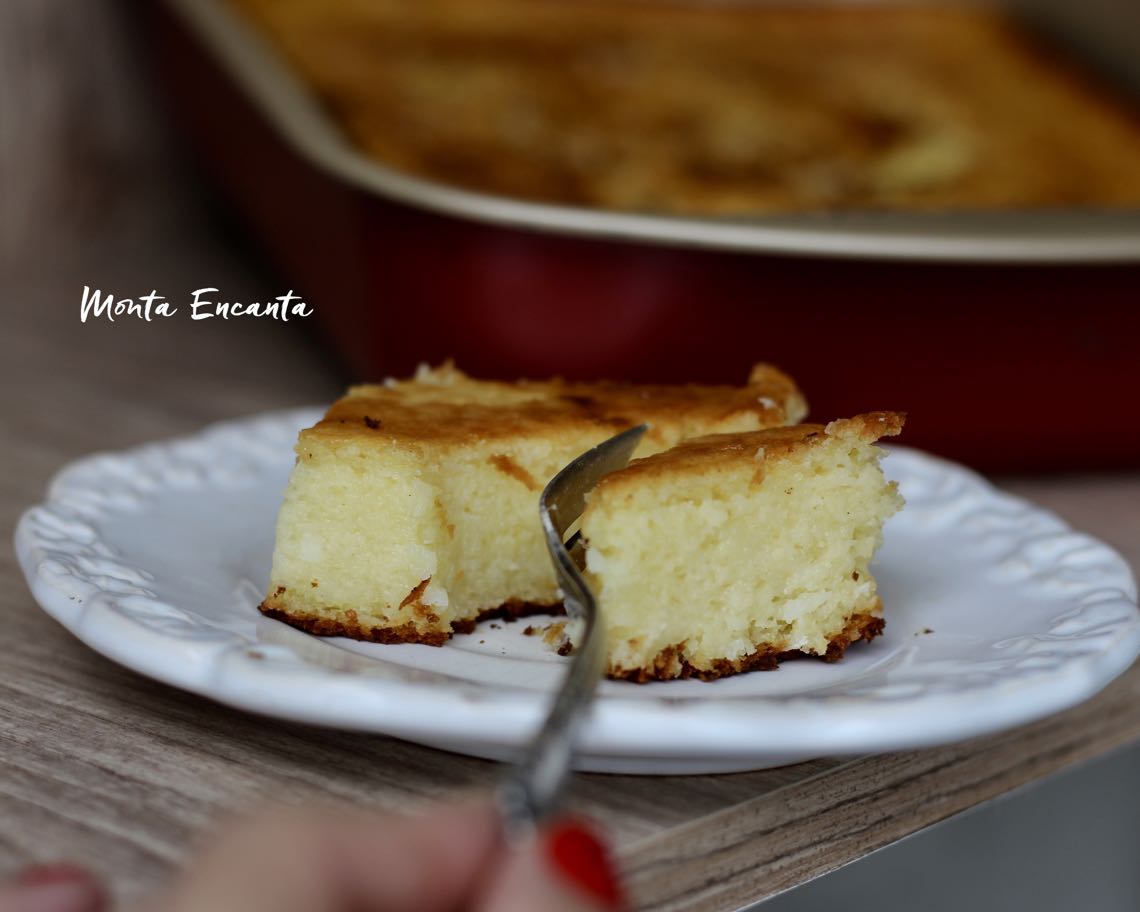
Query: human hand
[335, 861]
[52, 888]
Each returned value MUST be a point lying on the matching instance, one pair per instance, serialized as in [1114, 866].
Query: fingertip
[473, 809]
[57, 887]
[565, 867]
[432, 859]
[36, 875]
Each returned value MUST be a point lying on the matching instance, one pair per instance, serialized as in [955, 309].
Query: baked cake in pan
[412, 509]
[729, 552]
[727, 108]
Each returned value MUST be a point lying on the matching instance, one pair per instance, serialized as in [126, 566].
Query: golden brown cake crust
[444, 406]
[669, 664]
[706, 454]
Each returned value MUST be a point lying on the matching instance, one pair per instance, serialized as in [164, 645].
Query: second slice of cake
[730, 551]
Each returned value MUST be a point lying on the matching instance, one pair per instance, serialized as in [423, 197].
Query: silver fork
[533, 788]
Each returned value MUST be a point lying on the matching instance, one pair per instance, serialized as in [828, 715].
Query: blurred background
[927, 207]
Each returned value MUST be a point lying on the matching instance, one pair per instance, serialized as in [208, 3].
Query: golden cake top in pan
[444, 406]
[708, 108]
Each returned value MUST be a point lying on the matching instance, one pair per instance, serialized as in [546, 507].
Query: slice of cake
[728, 552]
[413, 506]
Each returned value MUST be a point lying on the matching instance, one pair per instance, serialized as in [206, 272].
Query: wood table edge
[804, 829]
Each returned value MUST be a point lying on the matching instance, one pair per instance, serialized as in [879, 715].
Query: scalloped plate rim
[730, 733]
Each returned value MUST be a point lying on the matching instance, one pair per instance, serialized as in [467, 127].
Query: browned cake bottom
[349, 626]
[668, 664]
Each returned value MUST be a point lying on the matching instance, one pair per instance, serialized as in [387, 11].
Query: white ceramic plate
[997, 614]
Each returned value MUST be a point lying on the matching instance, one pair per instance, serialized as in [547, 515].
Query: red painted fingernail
[43, 875]
[57, 888]
[577, 853]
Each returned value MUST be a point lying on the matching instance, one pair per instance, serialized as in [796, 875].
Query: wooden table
[100, 765]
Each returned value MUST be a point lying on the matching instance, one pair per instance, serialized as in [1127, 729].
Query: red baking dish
[1011, 341]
